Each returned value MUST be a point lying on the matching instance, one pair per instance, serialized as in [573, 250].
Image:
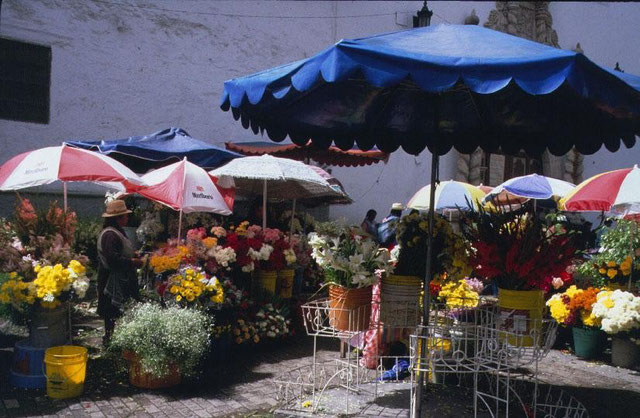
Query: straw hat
[397, 206]
[116, 208]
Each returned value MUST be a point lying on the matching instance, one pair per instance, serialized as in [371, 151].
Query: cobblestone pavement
[244, 388]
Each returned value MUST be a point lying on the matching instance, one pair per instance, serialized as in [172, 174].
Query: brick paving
[243, 387]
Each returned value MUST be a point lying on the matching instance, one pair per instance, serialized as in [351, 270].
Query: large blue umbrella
[448, 85]
[441, 87]
[142, 153]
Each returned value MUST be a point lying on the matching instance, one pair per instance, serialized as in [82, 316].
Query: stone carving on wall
[531, 20]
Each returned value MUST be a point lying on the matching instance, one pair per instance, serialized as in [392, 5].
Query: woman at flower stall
[117, 280]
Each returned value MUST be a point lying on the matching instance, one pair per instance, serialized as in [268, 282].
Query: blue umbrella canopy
[442, 87]
[142, 153]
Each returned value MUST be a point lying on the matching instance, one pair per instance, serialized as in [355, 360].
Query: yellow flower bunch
[189, 284]
[241, 230]
[218, 291]
[168, 260]
[558, 308]
[459, 294]
[50, 282]
[48, 286]
[16, 291]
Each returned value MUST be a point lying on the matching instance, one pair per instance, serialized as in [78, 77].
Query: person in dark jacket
[117, 279]
[387, 228]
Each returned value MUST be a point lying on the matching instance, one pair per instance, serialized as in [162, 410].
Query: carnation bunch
[618, 310]
[245, 332]
[271, 323]
[169, 258]
[574, 307]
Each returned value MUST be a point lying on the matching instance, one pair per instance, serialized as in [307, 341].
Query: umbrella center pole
[264, 205]
[426, 297]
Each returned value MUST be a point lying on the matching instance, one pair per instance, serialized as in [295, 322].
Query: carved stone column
[531, 20]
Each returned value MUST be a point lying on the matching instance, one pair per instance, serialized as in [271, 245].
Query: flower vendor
[117, 281]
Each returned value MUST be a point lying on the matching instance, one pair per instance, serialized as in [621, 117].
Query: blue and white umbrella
[533, 186]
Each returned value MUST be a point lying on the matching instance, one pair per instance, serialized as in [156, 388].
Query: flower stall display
[619, 312]
[350, 262]
[574, 308]
[39, 272]
[522, 255]
[161, 344]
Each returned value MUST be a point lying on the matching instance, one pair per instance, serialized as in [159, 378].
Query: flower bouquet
[574, 308]
[350, 262]
[271, 322]
[191, 287]
[522, 255]
[619, 312]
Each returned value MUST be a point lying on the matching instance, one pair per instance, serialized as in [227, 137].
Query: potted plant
[619, 312]
[161, 344]
[574, 308]
[523, 256]
[350, 262]
[617, 264]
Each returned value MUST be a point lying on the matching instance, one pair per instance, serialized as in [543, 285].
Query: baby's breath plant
[163, 336]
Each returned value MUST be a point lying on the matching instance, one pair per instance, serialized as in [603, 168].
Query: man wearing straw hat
[117, 280]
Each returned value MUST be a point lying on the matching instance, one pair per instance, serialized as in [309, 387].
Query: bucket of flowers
[40, 274]
[522, 255]
[161, 344]
[574, 308]
[619, 312]
[351, 264]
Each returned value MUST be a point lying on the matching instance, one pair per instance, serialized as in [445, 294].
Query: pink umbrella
[185, 187]
[46, 165]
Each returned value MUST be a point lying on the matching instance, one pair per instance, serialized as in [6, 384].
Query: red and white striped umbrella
[185, 187]
[617, 191]
[64, 163]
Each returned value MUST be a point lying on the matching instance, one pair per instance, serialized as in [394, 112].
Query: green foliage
[617, 244]
[86, 238]
[160, 337]
[621, 241]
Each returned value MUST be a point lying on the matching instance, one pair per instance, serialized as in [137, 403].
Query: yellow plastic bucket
[65, 370]
[521, 316]
[267, 280]
[285, 283]
[399, 280]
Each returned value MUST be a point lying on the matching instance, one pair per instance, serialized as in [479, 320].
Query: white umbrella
[280, 177]
[64, 163]
[185, 187]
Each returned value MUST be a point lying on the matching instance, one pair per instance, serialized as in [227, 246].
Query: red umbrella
[331, 156]
[185, 187]
[46, 165]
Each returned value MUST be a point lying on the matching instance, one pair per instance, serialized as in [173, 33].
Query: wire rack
[323, 320]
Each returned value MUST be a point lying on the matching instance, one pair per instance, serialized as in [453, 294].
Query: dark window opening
[25, 80]
[501, 167]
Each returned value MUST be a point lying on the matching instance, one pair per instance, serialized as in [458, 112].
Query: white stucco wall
[131, 67]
